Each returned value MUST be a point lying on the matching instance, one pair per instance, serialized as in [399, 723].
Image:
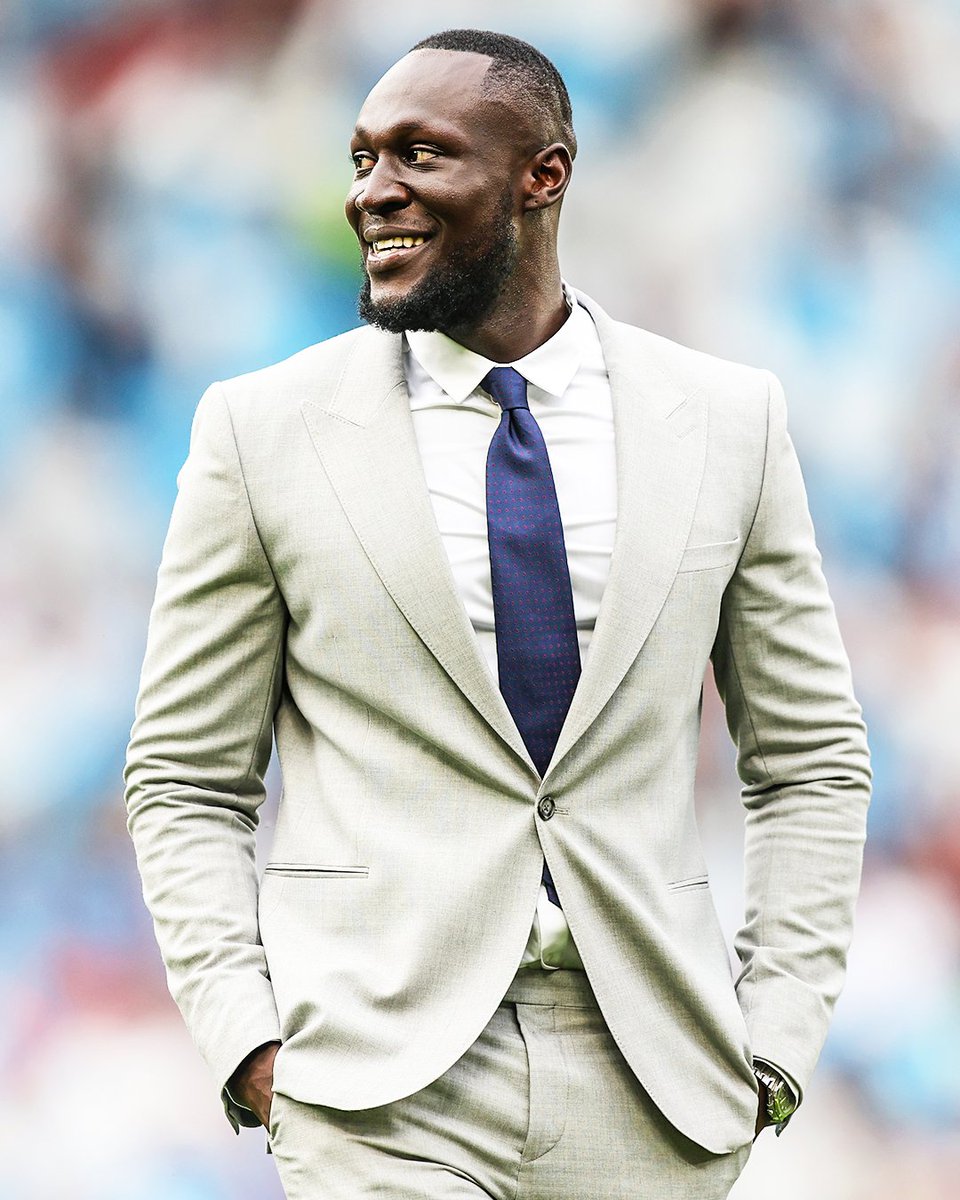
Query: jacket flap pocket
[688, 885]
[320, 871]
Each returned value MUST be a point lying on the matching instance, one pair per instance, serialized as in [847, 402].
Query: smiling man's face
[434, 202]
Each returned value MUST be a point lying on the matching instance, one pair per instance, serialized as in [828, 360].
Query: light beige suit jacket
[304, 591]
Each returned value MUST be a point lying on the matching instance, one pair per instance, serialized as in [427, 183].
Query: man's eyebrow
[434, 128]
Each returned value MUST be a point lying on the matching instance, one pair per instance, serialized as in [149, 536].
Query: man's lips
[387, 249]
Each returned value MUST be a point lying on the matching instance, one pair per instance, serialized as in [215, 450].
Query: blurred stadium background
[776, 181]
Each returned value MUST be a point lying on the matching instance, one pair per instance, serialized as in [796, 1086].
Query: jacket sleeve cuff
[237, 1115]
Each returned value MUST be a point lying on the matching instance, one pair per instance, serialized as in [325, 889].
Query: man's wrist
[237, 1086]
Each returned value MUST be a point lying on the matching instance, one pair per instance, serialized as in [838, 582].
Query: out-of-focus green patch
[323, 228]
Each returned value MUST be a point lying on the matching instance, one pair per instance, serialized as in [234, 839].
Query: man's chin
[395, 311]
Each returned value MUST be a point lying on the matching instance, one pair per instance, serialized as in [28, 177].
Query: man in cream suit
[483, 958]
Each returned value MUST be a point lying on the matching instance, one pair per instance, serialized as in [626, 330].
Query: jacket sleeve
[200, 746]
[802, 756]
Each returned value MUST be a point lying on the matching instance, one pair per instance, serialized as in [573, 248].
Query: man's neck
[524, 318]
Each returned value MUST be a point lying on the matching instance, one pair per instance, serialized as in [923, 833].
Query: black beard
[458, 293]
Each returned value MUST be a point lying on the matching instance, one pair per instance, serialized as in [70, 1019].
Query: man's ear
[548, 174]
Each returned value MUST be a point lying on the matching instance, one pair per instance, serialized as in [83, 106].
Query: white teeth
[397, 243]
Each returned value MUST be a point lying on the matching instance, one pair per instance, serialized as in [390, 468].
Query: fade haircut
[520, 72]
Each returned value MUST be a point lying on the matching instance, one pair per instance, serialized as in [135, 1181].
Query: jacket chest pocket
[710, 555]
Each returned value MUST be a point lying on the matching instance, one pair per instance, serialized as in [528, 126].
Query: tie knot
[507, 386]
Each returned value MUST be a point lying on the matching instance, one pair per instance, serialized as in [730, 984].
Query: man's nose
[381, 190]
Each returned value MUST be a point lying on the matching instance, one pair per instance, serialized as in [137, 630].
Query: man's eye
[421, 154]
[362, 161]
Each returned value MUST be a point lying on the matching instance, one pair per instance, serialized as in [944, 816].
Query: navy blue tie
[537, 649]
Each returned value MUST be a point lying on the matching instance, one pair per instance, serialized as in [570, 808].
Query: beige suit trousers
[541, 1107]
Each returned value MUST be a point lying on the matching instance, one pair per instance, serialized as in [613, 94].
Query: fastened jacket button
[546, 808]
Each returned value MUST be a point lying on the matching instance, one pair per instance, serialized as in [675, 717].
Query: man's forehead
[425, 84]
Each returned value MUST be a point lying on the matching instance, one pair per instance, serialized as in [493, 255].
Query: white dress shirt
[569, 396]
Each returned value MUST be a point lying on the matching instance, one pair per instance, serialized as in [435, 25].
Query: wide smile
[384, 254]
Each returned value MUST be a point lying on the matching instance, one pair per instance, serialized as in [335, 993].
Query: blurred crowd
[774, 181]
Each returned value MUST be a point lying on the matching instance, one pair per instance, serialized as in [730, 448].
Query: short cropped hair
[520, 71]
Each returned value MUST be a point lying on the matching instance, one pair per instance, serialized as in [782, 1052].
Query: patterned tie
[537, 649]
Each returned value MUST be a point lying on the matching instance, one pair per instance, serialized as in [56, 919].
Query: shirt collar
[550, 367]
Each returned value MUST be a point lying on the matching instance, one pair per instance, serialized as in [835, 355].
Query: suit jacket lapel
[365, 439]
[660, 448]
